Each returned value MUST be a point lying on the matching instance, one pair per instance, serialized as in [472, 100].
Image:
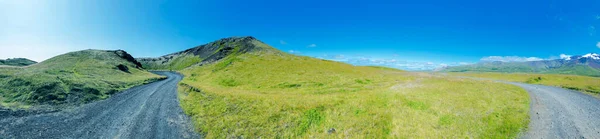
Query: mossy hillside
[270, 94]
[72, 78]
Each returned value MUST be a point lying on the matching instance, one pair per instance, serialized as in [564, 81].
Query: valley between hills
[240, 87]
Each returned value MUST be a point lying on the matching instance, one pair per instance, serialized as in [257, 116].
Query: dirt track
[148, 111]
[561, 113]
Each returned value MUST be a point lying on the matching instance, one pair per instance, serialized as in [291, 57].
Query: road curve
[148, 111]
[560, 113]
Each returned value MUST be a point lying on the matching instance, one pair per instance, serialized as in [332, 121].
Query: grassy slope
[524, 68]
[76, 77]
[590, 85]
[273, 94]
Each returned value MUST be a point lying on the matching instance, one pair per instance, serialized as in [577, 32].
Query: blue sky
[412, 35]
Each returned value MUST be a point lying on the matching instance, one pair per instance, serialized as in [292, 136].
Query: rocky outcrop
[127, 57]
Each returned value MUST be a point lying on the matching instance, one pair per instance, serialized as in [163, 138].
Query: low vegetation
[270, 94]
[72, 78]
[590, 85]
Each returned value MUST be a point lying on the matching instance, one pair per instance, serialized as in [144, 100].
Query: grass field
[590, 85]
[269, 94]
[75, 78]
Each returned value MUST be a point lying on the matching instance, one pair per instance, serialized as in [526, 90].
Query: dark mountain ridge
[206, 53]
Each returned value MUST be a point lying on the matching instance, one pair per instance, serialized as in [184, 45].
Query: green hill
[266, 93]
[17, 62]
[72, 78]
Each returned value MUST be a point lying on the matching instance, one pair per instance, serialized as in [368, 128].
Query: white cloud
[294, 52]
[464, 63]
[339, 58]
[510, 59]
[312, 45]
[565, 57]
[282, 42]
[598, 44]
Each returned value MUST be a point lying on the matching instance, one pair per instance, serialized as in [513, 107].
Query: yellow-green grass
[270, 94]
[586, 84]
[75, 77]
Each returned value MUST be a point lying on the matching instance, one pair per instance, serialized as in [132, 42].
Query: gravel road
[561, 113]
[148, 111]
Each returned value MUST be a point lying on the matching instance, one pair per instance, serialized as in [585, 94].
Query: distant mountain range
[588, 65]
[17, 62]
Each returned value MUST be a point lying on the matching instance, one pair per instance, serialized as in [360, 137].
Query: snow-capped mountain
[590, 59]
[592, 56]
[588, 64]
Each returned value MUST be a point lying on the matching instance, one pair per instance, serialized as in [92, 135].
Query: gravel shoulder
[560, 113]
[147, 111]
